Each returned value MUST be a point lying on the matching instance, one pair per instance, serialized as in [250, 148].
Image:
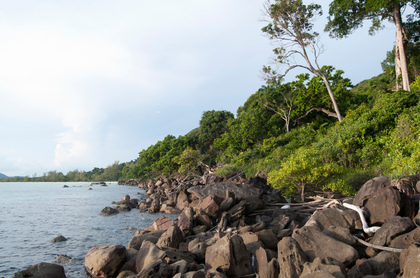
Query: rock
[59, 238]
[63, 259]
[109, 211]
[42, 270]
[405, 240]
[332, 217]
[209, 206]
[130, 263]
[156, 269]
[410, 264]
[198, 248]
[396, 226]
[383, 205]
[185, 220]
[237, 211]
[202, 218]
[271, 270]
[290, 258]
[268, 237]
[182, 200]
[162, 223]
[384, 261]
[230, 255]
[324, 268]
[136, 241]
[253, 204]
[125, 198]
[241, 191]
[123, 206]
[370, 188]
[172, 237]
[340, 234]
[127, 274]
[316, 244]
[65, 186]
[251, 241]
[148, 254]
[105, 261]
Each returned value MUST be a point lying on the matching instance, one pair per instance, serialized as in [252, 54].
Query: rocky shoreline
[237, 227]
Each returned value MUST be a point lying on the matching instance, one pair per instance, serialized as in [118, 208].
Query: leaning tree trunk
[401, 68]
[334, 102]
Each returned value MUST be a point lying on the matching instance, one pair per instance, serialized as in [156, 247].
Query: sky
[86, 83]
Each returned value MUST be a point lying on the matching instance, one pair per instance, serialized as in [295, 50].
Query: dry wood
[384, 248]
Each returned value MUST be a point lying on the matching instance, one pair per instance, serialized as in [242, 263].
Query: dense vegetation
[290, 133]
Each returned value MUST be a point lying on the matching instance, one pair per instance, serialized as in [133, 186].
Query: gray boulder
[370, 188]
[172, 237]
[240, 191]
[137, 241]
[316, 244]
[109, 211]
[42, 270]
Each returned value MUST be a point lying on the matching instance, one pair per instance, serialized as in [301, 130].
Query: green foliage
[212, 125]
[187, 161]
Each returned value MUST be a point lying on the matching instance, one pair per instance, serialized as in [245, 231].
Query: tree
[346, 16]
[212, 125]
[291, 26]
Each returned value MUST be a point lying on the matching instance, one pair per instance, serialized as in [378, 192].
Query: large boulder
[316, 244]
[230, 255]
[405, 240]
[209, 206]
[105, 261]
[370, 188]
[172, 237]
[109, 211]
[185, 220]
[148, 254]
[136, 241]
[410, 263]
[241, 191]
[324, 268]
[290, 258]
[332, 217]
[42, 270]
[383, 205]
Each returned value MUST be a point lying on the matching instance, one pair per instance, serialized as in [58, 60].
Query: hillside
[3, 176]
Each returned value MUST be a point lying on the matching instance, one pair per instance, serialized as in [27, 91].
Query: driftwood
[384, 248]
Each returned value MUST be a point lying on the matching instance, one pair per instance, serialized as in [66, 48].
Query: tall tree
[347, 15]
[290, 26]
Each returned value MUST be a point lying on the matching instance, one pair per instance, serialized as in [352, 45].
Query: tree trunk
[401, 68]
[335, 106]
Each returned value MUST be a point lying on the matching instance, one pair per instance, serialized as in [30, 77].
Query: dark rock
[405, 240]
[271, 270]
[42, 270]
[130, 263]
[316, 244]
[59, 238]
[384, 261]
[156, 269]
[268, 237]
[105, 261]
[340, 234]
[332, 217]
[290, 258]
[370, 188]
[209, 206]
[383, 205]
[109, 211]
[127, 274]
[185, 220]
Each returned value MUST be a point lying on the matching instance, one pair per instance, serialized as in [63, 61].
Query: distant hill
[2, 176]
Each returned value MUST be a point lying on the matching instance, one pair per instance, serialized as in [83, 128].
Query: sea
[34, 213]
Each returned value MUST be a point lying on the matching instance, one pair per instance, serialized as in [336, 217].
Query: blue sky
[87, 83]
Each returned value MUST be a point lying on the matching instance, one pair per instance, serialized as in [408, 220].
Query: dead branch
[384, 248]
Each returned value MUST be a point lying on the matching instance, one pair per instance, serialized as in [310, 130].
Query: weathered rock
[227, 204]
[360, 269]
[105, 261]
[230, 255]
[268, 237]
[182, 200]
[125, 198]
[410, 264]
[370, 188]
[253, 204]
[42, 270]
[198, 248]
[396, 226]
[251, 241]
[332, 217]
[156, 269]
[173, 255]
[63, 259]
[148, 254]
[172, 237]
[340, 234]
[123, 206]
[290, 258]
[316, 244]
[384, 261]
[241, 191]
[186, 220]
[130, 263]
[136, 241]
[162, 223]
[383, 205]
[324, 267]
[202, 218]
[271, 270]
[127, 274]
[209, 206]
[109, 211]
[59, 238]
[237, 211]
[405, 240]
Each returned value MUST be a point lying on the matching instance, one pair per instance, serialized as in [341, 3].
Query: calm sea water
[32, 214]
